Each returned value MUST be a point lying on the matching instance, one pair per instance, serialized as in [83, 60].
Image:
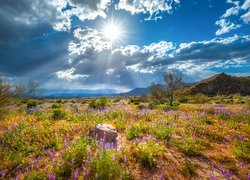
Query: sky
[122, 44]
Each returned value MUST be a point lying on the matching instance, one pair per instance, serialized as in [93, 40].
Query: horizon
[121, 45]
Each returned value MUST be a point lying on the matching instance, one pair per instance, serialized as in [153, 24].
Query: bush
[133, 132]
[99, 104]
[147, 152]
[105, 167]
[141, 106]
[58, 114]
[55, 106]
[32, 104]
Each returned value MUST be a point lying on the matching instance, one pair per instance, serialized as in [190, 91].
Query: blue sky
[73, 44]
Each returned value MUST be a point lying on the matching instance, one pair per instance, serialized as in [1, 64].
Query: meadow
[194, 139]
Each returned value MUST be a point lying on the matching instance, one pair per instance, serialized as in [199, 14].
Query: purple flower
[65, 143]
[124, 159]
[161, 177]
[76, 174]
[241, 138]
[228, 174]
[2, 173]
[51, 177]
[67, 135]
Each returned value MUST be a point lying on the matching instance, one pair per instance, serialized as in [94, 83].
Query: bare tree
[173, 80]
[157, 92]
[32, 88]
[5, 95]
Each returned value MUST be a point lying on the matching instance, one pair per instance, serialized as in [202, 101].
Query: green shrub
[133, 132]
[58, 114]
[36, 175]
[32, 104]
[147, 152]
[105, 167]
[99, 104]
[162, 132]
[141, 106]
[55, 106]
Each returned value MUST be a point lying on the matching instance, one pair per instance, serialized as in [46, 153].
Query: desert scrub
[162, 131]
[190, 146]
[100, 103]
[38, 175]
[105, 166]
[55, 106]
[241, 149]
[147, 152]
[136, 131]
[75, 156]
[59, 114]
[32, 104]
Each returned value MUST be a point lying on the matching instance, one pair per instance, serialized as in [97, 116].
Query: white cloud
[225, 21]
[225, 26]
[246, 5]
[69, 74]
[246, 17]
[54, 12]
[88, 38]
[154, 7]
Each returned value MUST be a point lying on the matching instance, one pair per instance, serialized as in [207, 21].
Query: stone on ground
[106, 132]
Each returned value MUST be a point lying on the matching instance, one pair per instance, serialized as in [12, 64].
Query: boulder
[104, 132]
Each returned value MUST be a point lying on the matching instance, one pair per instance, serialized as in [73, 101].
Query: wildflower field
[48, 139]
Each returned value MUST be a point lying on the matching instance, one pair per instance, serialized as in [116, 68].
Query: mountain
[220, 84]
[136, 92]
[74, 93]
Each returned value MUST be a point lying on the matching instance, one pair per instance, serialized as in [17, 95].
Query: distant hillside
[220, 84]
[136, 92]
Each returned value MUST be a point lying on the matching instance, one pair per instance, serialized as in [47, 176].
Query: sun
[112, 31]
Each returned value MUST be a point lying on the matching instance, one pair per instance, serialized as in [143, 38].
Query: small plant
[147, 152]
[133, 132]
[105, 166]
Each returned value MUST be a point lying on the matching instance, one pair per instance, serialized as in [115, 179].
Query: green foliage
[241, 150]
[105, 166]
[147, 152]
[59, 114]
[190, 146]
[55, 106]
[141, 106]
[133, 132]
[35, 175]
[162, 131]
[100, 103]
[32, 104]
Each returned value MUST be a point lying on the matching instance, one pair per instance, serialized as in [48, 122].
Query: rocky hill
[220, 84]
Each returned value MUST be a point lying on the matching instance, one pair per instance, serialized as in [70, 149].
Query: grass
[153, 141]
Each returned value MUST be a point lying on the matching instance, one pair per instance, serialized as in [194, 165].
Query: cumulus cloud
[57, 13]
[154, 7]
[130, 65]
[225, 21]
[225, 26]
[69, 74]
